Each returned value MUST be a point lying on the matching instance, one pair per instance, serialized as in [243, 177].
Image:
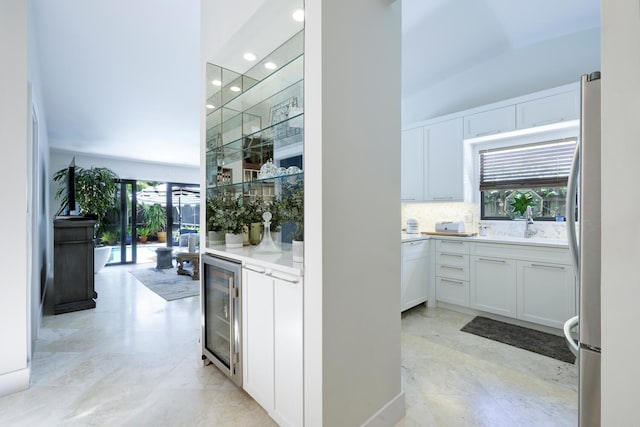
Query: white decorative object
[193, 239]
[100, 257]
[297, 249]
[233, 241]
[267, 245]
[268, 170]
[216, 237]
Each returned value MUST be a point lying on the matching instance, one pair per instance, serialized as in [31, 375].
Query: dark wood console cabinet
[73, 285]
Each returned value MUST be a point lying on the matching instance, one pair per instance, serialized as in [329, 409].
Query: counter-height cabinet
[272, 342]
[415, 273]
[452, 271]
[493, 285]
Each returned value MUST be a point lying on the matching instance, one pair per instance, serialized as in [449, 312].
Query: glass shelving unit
[254, 118]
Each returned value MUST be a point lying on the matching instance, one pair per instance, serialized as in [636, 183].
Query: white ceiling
[122, 78]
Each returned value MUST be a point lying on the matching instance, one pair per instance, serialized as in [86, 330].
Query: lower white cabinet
[415, 262]
[272, 342]
[493, 285]
[546, 293]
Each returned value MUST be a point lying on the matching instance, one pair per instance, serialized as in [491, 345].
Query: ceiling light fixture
[234, 89]
[211, 106]
[249, 56]
[216, 82]
[298, 15]
[270, 66]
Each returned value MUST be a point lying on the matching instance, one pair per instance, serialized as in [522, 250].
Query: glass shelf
[291, 179]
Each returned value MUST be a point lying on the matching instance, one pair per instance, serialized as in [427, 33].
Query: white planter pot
[101, 256]
[233, 241]
[216, 237]
[297, 249]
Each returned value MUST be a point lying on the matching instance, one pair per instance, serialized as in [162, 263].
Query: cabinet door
[414, 273]
[493, 285]
[257, 337]
[490, 122]
[411, 165]
[443, 159]
[548, 110]
[287, 323]
[546, 293]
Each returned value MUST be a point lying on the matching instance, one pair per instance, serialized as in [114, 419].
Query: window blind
[545, 164]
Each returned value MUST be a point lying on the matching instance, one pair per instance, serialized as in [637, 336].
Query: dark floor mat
[528, 339]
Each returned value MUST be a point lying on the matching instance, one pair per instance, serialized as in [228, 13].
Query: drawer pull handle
[283, 278]
[487, 133]
[443, 198]
[452, 268]
[450, 243]
[452, 255]
[552, 267]
[455, 282]
[495, 261]
[255, 269]
[416, 243]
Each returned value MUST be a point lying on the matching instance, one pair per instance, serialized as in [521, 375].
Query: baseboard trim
[389, 415]
[13, 382]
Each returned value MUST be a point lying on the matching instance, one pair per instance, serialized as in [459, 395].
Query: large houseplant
[156, 220]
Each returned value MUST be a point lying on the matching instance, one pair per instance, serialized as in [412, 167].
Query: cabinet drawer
[452, 291]
[460, 272]
[453, 246]
[524, 252]
[490, 122]
[415, 249]
[548, 110]
[452, 259]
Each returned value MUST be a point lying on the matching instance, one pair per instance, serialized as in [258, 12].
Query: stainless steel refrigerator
[584, 243]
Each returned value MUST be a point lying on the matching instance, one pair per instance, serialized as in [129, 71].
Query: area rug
[527, 339]
[167, 282]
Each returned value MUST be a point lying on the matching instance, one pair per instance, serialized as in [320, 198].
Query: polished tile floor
[133, 361]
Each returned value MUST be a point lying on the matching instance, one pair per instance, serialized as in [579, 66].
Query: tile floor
[133, 361]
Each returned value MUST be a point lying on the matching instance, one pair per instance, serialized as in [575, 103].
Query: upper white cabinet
[411, 165]
[490, 122]
[548, 110]
[443, 159]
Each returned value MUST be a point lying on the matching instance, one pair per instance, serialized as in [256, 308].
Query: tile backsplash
[427, 214]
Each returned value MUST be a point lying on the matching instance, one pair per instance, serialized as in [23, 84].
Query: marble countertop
[510, 240]
[281, 261]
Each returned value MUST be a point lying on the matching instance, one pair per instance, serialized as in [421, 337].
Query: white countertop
[491, 239]
[281, 261]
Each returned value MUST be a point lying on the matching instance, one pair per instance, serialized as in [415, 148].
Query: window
[540, 170]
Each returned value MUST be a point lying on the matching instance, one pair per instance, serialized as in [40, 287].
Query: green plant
[294, 209]
[109, 237]
[253, 211]
[278, 217]
[521, 201]
[233, 218]
[95, 192]
[156, 218]
[215, 213]
[143, 231]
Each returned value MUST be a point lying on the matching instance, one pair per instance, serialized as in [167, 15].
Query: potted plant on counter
[215, 219]
[232, 221]
[294, 208]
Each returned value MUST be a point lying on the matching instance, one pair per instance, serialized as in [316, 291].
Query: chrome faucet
[529, 230]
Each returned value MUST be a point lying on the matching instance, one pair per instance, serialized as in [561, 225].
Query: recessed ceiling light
[211, 106]
[216, 82]
[249, 56]
[270, 65]
[234, 89]
[298, 15]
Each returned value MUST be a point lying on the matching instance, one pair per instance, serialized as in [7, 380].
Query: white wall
[620, 245]
[541, 66]
[352, 256]
[14, 310]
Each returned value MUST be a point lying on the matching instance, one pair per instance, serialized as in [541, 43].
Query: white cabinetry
[490, 122]
[452, 272]
[272, 342]
[548, 110]
[415, 260]
[493, 285]
[546, 293]
[411, 165]
[443, 160]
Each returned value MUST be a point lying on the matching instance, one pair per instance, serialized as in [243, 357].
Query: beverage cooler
[221, 315]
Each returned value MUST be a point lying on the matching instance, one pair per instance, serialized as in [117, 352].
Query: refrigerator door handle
[572, 189]
[568, 326]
